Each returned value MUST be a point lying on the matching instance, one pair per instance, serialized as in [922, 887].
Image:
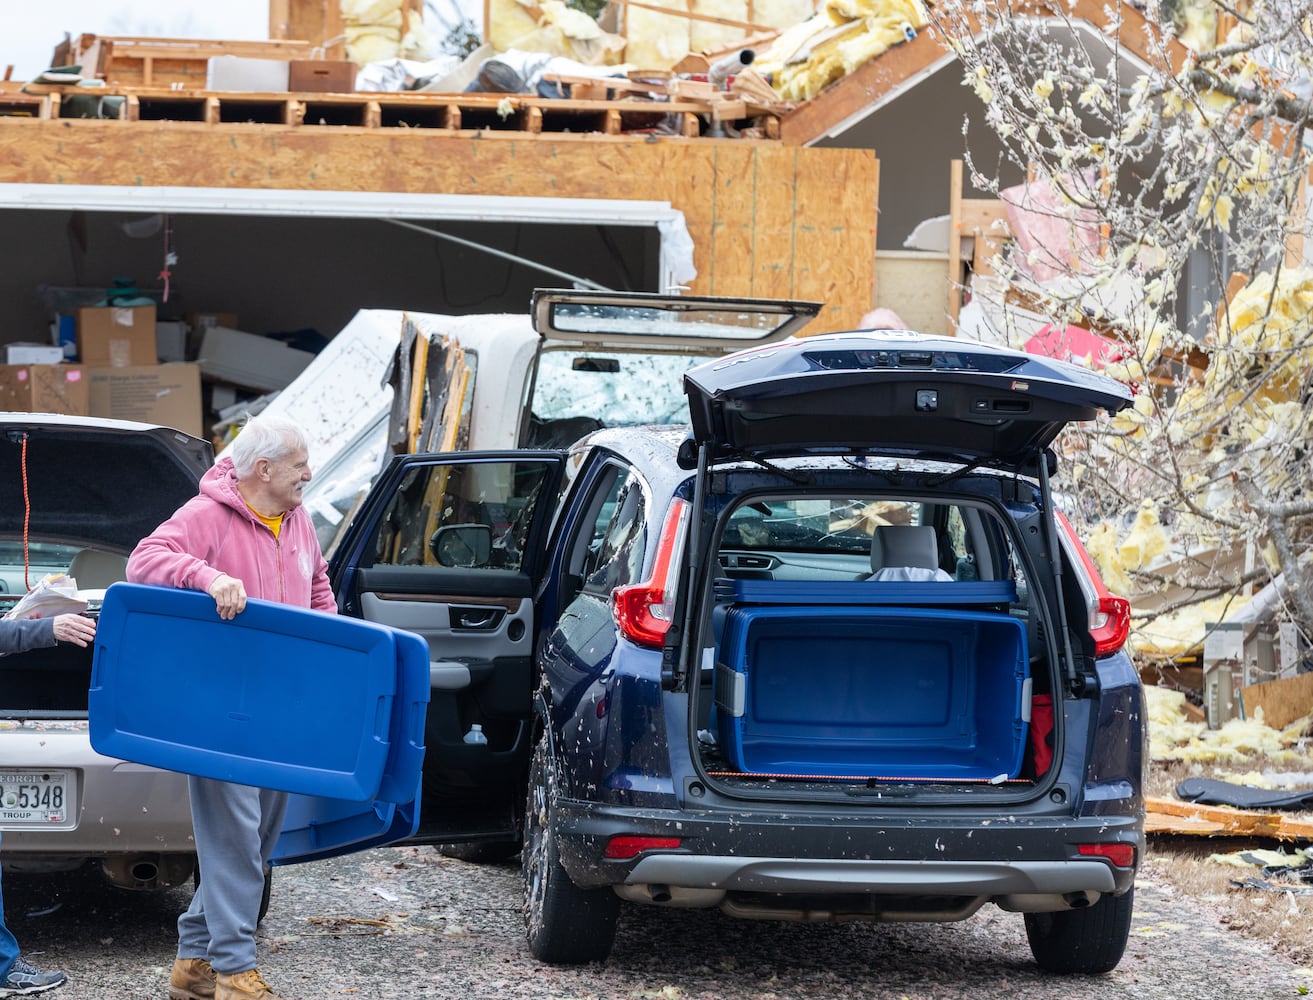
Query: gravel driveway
[402, 923]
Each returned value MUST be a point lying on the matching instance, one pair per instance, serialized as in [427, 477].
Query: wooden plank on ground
[1282, 701]
[1163, 823]
[1164, 815]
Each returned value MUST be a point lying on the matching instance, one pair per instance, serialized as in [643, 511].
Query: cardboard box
[256, 76]
[171, 340]
[169, 395]
[45, 389]
[33, 354]
[249, 360]
[321, 76]
[116, 336]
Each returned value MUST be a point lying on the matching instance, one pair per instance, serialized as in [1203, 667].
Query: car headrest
[95, 569]
[904, 545]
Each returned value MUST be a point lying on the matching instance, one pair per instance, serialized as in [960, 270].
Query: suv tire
[1089, 941]
[564, 924]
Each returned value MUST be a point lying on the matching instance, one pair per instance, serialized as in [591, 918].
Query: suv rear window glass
[831, 537]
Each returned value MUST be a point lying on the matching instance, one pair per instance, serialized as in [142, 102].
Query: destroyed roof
[812, 77]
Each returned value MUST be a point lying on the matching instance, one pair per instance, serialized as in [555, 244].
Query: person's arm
[166, 556]
[18, 635]
[321, 591]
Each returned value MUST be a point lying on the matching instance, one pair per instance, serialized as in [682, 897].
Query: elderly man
[243, 535]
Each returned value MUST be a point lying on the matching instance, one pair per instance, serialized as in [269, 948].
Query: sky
[32, 28]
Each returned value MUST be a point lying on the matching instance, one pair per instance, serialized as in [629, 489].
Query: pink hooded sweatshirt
[215, 532]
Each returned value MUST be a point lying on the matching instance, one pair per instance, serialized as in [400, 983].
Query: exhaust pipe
[659, 892]
[148, 872]
[1078, 900]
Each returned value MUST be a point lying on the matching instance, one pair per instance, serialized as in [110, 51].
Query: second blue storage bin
[872, 692]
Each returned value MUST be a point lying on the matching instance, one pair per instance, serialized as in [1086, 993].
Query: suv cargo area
[874, 639]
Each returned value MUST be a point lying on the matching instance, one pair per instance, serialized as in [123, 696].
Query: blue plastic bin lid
[319, 828]
[405, 760]
[279, 697]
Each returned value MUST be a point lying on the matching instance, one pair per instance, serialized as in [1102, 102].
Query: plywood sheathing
[765, 220]
[317, 21]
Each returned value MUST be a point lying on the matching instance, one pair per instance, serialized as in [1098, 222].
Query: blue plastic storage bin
[279, 697]
[872, 692]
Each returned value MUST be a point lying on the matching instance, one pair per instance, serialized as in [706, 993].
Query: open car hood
[892, 391]
[93, 481]
[654, 322]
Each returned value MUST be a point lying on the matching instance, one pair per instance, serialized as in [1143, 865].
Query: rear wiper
[792, 477]
[965, 470]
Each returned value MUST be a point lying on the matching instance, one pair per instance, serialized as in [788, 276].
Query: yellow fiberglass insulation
[508, 20]
[1172, 736]
[564, 31]
[658, 41]
[1146, 540]
[1269, 318]
[841, 37]
[376, 30]
[1176, 633]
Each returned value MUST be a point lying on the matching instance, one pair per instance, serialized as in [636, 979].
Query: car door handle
[475, 619]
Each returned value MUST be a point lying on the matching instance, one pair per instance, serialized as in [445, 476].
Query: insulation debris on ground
[1173, 736]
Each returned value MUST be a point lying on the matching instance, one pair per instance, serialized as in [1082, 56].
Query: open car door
[451, 547]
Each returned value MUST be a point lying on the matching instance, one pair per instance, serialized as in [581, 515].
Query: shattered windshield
[611, 387]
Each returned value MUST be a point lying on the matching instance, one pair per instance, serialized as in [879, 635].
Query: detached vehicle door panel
[451, 547]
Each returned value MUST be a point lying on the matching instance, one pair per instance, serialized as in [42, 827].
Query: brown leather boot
[192, 979]
[248, 985]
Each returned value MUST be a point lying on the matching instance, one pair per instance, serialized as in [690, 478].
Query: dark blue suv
[828, 652]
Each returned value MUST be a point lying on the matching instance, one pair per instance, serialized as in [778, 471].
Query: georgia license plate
[35, 799]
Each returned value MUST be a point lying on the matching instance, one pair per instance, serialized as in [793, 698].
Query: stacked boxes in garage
[121, 361]
[117, 347]
[117, 373]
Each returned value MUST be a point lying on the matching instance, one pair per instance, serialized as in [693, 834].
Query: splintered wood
[1172, 816]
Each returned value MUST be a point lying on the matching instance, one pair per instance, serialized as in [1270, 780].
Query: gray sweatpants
[236, 827]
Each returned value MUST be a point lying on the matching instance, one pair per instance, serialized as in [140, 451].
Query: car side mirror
[463, 545]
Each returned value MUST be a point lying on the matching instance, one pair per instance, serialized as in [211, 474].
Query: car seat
[96, 569]
[906, 552]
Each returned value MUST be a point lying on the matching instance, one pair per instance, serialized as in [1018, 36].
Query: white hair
[265, 436]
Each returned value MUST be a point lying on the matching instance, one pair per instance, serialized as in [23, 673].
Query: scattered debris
[1211, 791]
[1172, 736]
[1172, 816]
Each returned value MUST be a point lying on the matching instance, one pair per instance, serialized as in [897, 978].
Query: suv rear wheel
[564, 924]
[1088, 941]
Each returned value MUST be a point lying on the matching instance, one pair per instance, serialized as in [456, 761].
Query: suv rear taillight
[626, 846]
[1110, 616]
[643, 610]
[1121, 855]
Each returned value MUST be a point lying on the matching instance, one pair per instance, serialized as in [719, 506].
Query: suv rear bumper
[1026, 863]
